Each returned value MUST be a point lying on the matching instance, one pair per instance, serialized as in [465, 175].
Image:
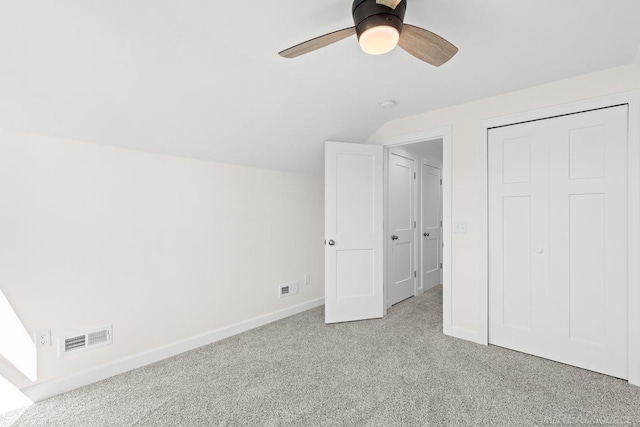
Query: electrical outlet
[43, 338]
[307, 279]
[460, 227]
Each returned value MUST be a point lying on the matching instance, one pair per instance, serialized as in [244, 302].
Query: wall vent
[75, 343]
[288, 289]
[86, 340]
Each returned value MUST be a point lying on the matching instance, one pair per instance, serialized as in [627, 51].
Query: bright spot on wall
[15, 343]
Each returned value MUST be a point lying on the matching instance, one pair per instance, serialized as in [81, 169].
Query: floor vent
[86, 340]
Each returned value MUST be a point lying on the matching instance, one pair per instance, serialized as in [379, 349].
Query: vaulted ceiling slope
[202, 79]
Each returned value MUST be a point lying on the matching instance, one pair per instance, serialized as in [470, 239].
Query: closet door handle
[331, 243]
[426, 234]
[394, 237]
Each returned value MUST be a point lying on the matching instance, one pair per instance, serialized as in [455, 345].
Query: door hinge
[440, 181]
[440, 266]
[414, 175]
[440, 223]
[414, 225]
[415, 274]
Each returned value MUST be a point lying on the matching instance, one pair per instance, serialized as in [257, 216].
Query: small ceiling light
[379, 39]
[388, 104]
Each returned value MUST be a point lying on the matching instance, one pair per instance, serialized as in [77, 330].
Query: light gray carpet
[396, 371]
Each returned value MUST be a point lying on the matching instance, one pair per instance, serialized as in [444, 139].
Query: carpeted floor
[396, 371]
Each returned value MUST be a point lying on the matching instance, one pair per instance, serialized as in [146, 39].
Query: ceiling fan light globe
[379, 40]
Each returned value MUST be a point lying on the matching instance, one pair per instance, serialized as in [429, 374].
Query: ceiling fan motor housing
[368, 14]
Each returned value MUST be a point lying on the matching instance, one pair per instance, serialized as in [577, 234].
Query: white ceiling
[203, 79]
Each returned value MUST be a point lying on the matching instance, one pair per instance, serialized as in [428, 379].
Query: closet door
[558, 239]
[519, 238]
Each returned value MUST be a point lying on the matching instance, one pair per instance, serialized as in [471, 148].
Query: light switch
[460, 227]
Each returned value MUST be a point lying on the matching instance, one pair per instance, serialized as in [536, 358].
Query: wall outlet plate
[460, 227]
[43, 338]
[307, 279]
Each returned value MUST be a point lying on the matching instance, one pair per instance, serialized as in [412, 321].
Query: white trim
[444, 133]
[632, 99]
[483, 231]
[634, 238]
[62, 385]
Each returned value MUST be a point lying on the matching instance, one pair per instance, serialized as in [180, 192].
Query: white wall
[465, 120]
[163, 248]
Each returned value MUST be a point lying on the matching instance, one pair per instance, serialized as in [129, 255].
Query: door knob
[540, 251]
[426, 234]
[394, 237]
[331, 243]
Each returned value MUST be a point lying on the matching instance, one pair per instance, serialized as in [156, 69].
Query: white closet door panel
[588, 170]
[518, 229]
[558, 239]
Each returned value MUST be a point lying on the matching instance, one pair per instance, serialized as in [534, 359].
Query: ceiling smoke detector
[387, 105]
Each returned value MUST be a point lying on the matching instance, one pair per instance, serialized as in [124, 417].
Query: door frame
[386, 253]
[445, 133]
[632, 99]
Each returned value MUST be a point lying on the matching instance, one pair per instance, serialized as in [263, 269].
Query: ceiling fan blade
[426, 46]
[389, 3]
[317, 43]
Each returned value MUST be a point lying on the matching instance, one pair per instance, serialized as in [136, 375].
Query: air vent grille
[288, 289]
[99, 337]
[75, 343]
[86, 340]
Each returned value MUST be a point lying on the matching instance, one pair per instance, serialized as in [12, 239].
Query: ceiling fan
[379, 25]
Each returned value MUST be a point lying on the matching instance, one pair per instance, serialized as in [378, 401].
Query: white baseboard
[52, 388]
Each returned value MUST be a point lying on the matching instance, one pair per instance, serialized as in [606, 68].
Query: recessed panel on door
[355, 271]
[586, 152]
[587, 294]
[516, 160]
[516, 262]
[355, 181]
[430, 262]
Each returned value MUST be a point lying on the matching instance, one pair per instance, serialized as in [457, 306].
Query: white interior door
[430, 239]
[401, 235]
[558, 239]
[354, 232]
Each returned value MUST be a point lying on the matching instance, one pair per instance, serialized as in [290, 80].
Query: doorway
[414, 219]
[356, 244]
